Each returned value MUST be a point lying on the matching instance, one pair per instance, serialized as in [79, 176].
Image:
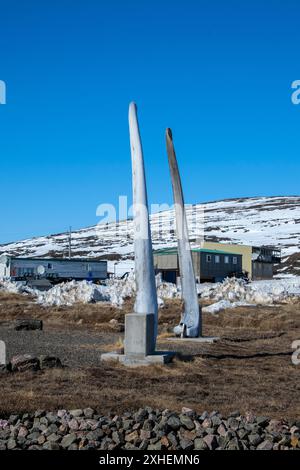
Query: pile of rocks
[146, 429]
[25, 362]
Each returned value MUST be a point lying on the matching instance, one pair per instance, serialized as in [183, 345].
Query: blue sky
[218, 73]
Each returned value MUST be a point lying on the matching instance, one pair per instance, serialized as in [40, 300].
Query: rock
[265, 445]
[145, 434]
[242, 433]
[174, 423]
[118, 438]
[233, 444]
[53, 438]
[222, 430]
[144, 445]
[24, 362]
[88, 412]
[187, 411]
[11, 444]
[200, 444]
[207, 423]
[51, 446]
[255, 439]
[95, 435]
[294, 441]
[13, 419]
[140, 415]
[61, 413]
[262, 421]
[41, 440]
[3, 423]
[132, 436]
[3, 445]
[127, 424]
[23, 432]
[233, 423]
[204, 416]
[28, 324]
[186, 444]
[130, 446]
[294, 430]
[116, 326]
[52, 428]
[4, 369]
[172, 439]
[156, 446]
[285, 441]
[216, 421]
[187, 422]
[76, 413]
[50, 417]
[73, 447]
[33, 437]
[50, 362]
[165, 442]
[73, 424]
[68, 440]
[211, 441]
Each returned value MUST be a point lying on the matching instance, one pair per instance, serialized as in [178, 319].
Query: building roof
[173, 251]
[63, 260]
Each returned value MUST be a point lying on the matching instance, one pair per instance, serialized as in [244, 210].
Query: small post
[70, 242]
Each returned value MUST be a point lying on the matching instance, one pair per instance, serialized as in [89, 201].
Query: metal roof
[173, 251]
[61, 260]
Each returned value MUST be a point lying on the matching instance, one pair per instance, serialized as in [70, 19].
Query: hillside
[250, 221]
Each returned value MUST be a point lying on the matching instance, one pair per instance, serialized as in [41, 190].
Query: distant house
[214, 261]
[55, 270]
[263, 260]
[257, 262]
[209, 265]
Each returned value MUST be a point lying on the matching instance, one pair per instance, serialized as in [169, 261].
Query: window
[234, 260]
[49, 265]
[208, 258]
[226, 259]
[217, 259]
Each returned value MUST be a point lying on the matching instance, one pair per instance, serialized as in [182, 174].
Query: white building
[63, 269]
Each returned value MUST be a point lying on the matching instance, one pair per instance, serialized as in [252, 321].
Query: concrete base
[200, 339]
[139, 334]
[139, 343]
[131, 360]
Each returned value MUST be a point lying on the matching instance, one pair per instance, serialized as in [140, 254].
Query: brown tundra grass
[250, 367]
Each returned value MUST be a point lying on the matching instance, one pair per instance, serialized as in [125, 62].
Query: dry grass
[250, 368]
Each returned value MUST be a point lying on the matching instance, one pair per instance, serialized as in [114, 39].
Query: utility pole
[70, 242]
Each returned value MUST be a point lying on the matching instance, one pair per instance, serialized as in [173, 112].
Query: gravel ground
[74, 347]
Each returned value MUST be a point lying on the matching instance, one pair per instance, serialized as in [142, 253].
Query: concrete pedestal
[139, 344]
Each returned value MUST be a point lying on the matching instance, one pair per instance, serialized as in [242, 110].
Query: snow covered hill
[250, 221]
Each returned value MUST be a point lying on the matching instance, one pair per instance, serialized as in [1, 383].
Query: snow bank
[13, 287]
[224, 304]
[233, 293]
[70, 293]
[228, 294]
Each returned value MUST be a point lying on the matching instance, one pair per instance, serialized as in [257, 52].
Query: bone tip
[169, 133]
[132, 107]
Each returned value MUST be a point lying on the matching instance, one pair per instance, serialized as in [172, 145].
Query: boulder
[28, 325]
[24, 362]
[50, 362]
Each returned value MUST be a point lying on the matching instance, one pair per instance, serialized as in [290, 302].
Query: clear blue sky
[218, 73]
